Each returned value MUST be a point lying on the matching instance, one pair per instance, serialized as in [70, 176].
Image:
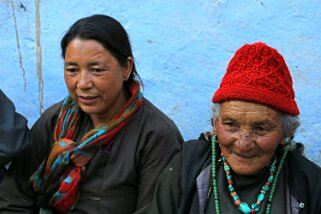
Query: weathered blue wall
[181, 47]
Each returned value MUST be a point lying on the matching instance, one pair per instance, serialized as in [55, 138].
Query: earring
[286, 141]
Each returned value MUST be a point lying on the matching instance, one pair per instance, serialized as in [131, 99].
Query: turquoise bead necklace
[243, 206]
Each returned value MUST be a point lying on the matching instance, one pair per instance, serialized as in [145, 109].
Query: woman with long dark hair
[102, 148]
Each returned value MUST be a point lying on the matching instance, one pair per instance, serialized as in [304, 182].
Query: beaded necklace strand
[243, 206]
[273, 187]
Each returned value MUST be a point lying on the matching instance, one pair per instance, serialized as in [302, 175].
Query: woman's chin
[245, 171]
[245, 166]
[88, 109]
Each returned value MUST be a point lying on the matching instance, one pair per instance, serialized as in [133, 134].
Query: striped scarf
[57, 179]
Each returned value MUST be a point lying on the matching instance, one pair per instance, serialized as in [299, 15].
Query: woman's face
[94, 79]
[248, 135]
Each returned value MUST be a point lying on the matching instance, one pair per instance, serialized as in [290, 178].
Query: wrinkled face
[94, 79]
[248, 135]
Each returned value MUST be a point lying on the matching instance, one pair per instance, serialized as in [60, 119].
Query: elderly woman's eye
[261, 129]
[230, 125]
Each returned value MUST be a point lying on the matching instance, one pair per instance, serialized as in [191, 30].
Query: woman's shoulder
[304, 180]
[196, 153]
[152, 115]
[153, 112]
[201, 145]
[52, 110]
[48, 117]
[301, 168]
[301, 163]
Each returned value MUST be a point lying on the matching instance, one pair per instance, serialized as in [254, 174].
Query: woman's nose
[84, 80]
[245, 141]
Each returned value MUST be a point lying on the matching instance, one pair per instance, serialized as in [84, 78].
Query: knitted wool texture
[258, 73]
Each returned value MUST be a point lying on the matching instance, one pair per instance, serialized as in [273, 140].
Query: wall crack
[18, 46]
[39, 58]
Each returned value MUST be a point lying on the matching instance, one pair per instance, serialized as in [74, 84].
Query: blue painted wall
[181, 48]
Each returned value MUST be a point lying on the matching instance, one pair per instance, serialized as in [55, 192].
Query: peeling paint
[18, 46]
[22, 6]
[261, 2]
[39, 58]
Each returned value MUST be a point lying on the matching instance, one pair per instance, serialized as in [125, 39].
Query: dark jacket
[117, 180]
[14, 132]
[177, 188]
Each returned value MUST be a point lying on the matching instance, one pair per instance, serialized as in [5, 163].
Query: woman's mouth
[244, 155]
[87, 100]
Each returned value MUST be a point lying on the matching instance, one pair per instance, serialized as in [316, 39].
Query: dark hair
[107, 31]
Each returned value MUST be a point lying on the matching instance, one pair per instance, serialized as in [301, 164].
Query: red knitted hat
[258, 73]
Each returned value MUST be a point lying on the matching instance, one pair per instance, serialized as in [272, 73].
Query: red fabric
[258, 73]
[71, 190]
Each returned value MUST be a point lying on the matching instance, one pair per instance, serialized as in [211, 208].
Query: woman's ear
[129, 68]
[286, 140]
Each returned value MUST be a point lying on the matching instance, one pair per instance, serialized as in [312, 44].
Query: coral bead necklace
[270, 184]
[243, 206]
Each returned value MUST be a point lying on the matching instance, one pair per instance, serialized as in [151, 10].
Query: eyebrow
[266, 121]
[89, 64]
[260, 122]
[224, 117]
[70, 63]
[95, 63]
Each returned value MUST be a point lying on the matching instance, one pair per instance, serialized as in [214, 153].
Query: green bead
[215, 192]
[265, 187]
[268, 209]
[226, 168]
[236, 197]
[256, 207]
[270, 179]
[244, 208]
[216, 202]
[260, 197]
[270, 196]
[272, 168]
[231, 188]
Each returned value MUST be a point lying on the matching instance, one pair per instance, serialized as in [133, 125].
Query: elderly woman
[249, 163]
[102, 148]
